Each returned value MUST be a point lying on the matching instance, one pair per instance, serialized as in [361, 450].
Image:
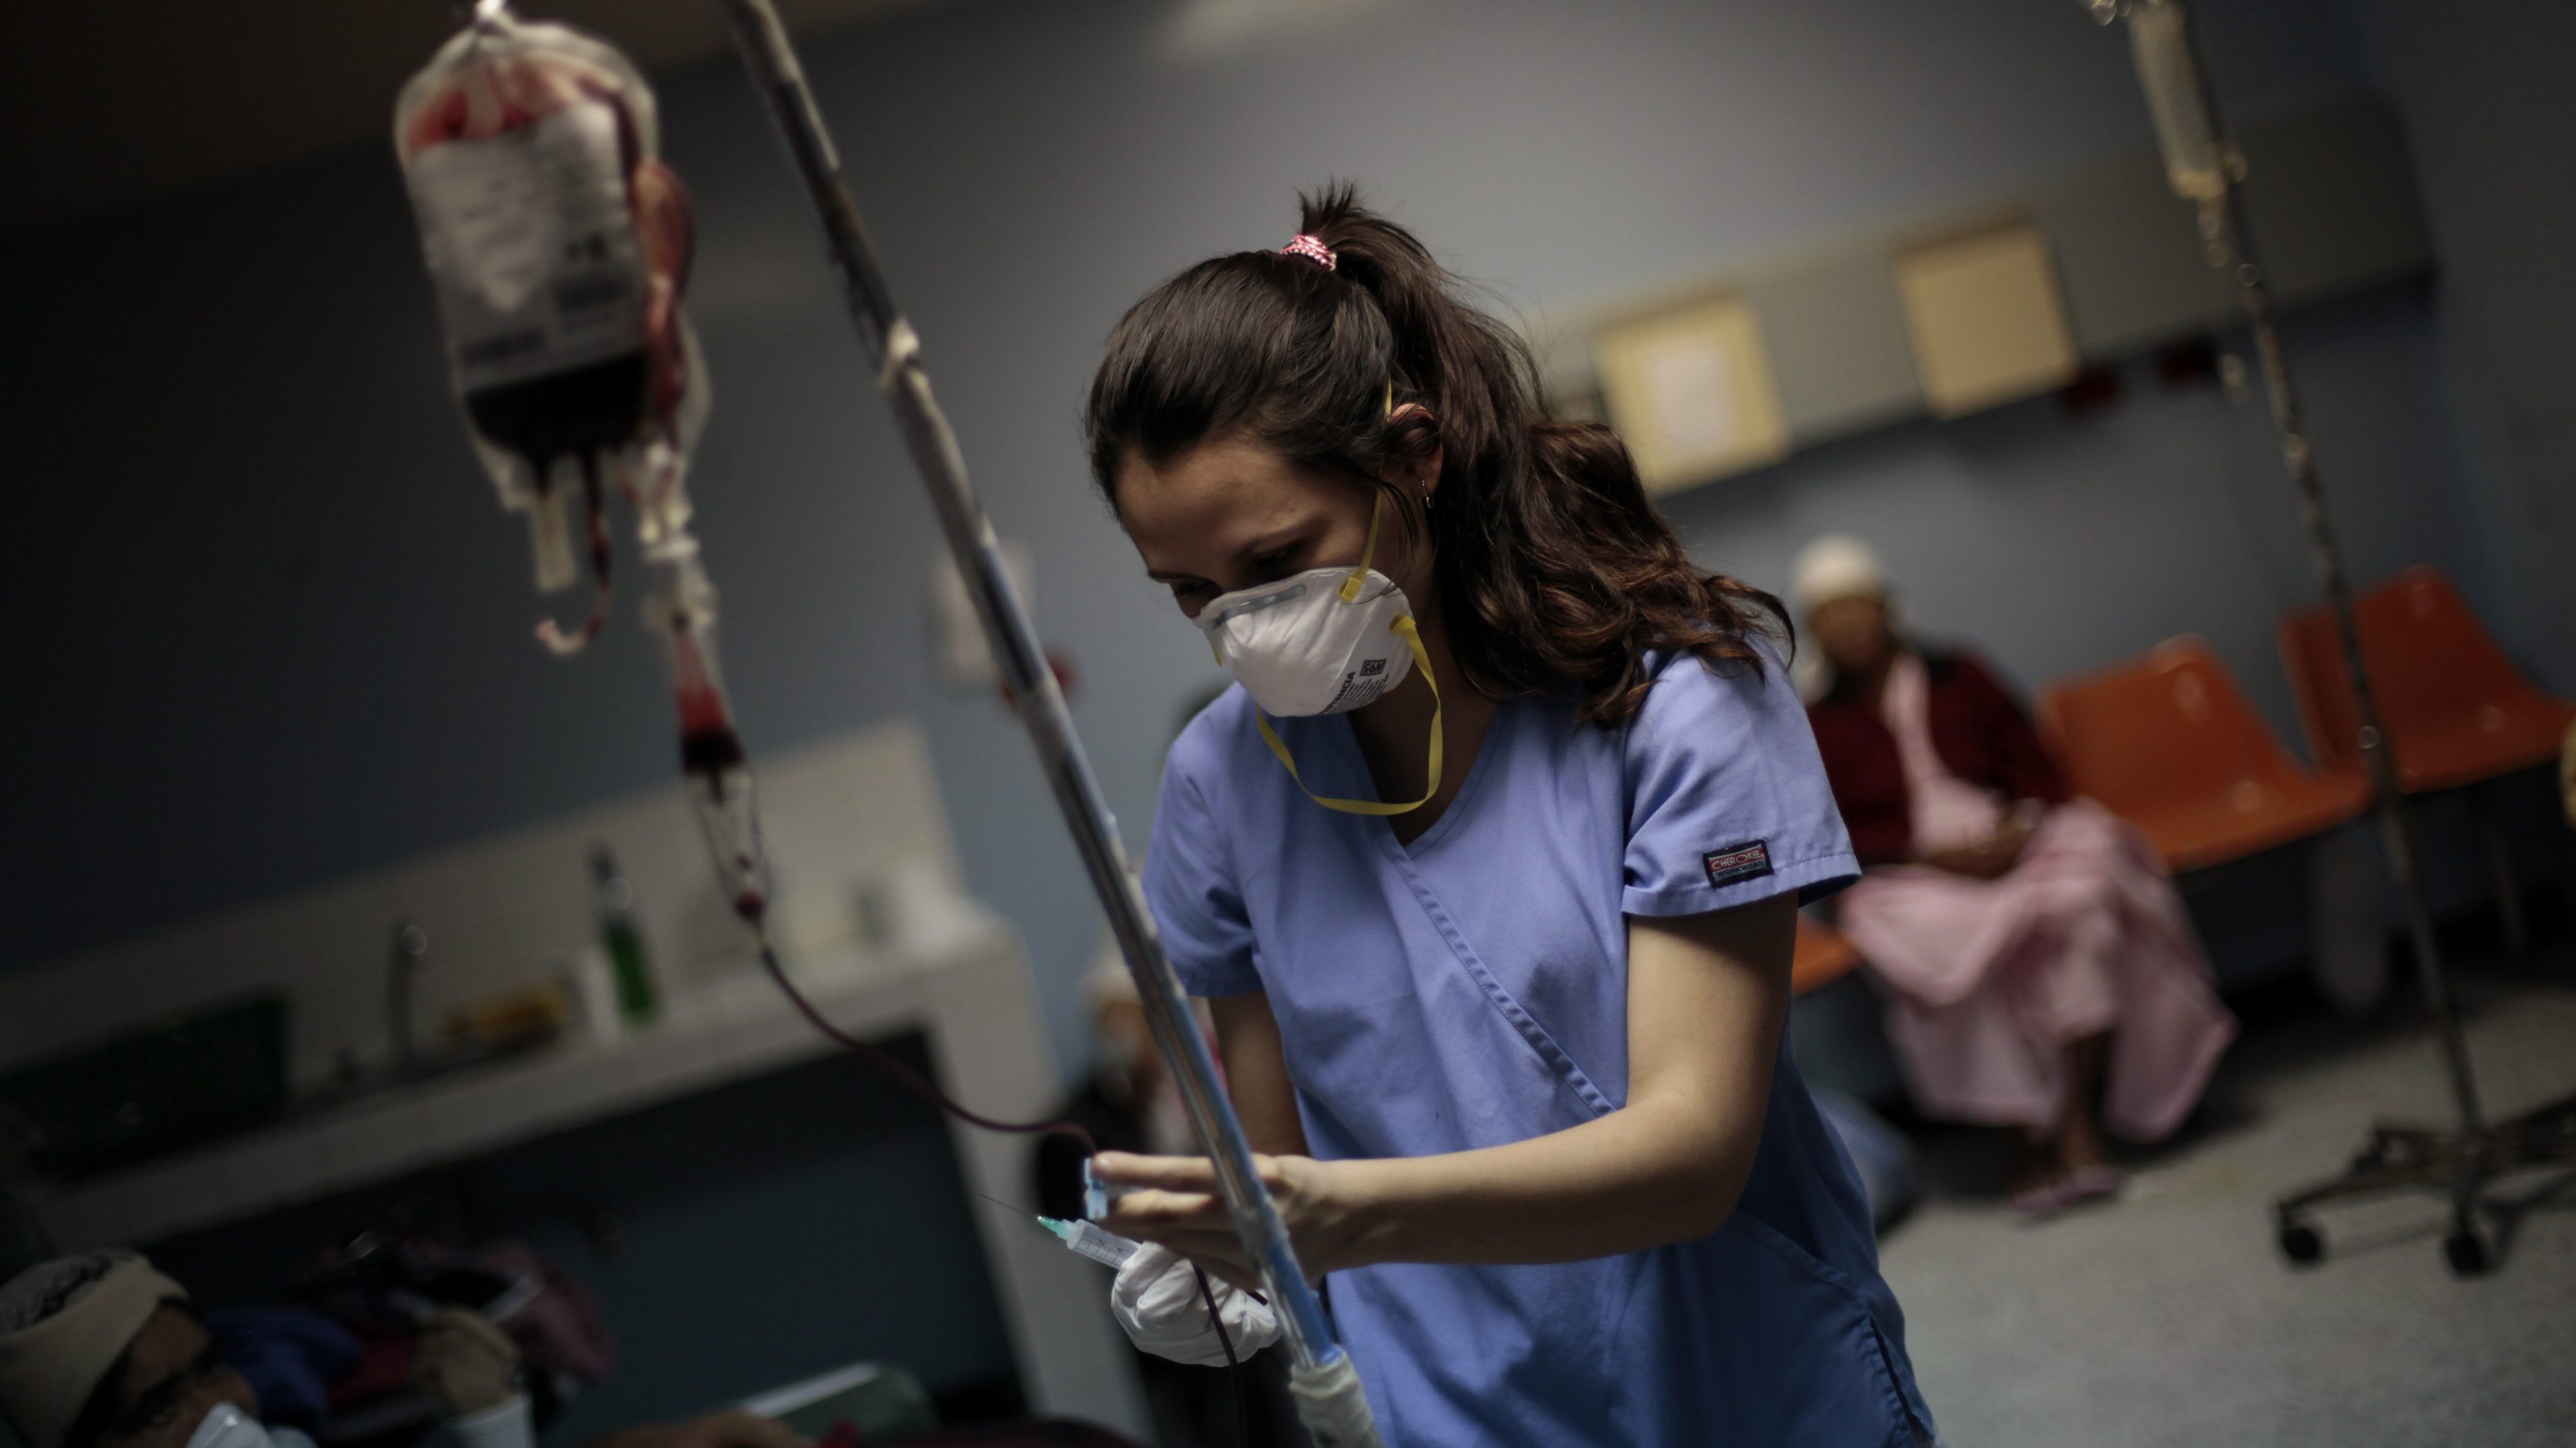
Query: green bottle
[638, 1001]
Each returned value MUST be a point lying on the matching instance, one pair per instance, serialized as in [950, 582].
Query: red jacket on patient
[1980, 733]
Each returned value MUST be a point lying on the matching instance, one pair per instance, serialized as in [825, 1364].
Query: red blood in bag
[581, 413]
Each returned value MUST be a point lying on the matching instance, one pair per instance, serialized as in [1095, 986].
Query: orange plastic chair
[2456, 709]
[1824, 956]
[2167, 742]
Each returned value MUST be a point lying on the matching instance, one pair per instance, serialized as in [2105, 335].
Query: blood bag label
[532, 247]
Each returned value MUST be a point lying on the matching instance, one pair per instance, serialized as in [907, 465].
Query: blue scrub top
[1470, 989]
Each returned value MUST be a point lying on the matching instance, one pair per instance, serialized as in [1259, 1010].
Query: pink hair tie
[1312, 248]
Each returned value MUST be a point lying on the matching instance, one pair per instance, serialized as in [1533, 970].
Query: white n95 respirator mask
[1323, 642]
[1326, 641]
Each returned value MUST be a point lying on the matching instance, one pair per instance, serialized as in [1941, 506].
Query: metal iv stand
[2205, 166]
[1322, 1379]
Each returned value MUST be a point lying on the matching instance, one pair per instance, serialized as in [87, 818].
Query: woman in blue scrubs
[1489, 865]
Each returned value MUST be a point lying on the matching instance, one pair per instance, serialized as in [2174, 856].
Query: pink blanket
[1993, 979]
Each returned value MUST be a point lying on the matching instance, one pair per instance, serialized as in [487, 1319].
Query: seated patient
[2043, 974]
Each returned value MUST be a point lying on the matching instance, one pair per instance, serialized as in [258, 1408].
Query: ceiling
[107, 102]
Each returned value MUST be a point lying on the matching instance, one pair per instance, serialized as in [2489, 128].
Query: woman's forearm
[1645, 1176]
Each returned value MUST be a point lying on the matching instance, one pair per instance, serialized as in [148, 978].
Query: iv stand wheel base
[2466, 1251]
[2301, 1244]
[2457, 1165]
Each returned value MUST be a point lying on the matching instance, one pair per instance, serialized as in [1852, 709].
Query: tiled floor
[2170, 1318]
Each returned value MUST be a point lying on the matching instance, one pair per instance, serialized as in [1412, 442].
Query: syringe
[1102, 1247]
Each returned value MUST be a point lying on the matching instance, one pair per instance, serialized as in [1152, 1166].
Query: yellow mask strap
[1368, 553]
[1422, 661]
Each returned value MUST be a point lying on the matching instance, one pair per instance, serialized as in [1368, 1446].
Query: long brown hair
[1556, 572]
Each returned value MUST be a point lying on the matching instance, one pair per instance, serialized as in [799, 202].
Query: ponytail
[1556, 573]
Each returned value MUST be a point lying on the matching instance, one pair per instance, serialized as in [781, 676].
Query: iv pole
[2204, 166]
[1322, 1378]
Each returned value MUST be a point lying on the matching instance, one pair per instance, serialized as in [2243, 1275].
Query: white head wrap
[1832, 566]
[63, 1325]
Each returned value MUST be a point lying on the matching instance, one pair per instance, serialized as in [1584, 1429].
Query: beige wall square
[1988, 323]
[1691, 391]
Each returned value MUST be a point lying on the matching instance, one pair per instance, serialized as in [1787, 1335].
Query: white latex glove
[1156, 1298]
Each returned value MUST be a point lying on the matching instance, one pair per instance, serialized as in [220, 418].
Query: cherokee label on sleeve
[1749, 861]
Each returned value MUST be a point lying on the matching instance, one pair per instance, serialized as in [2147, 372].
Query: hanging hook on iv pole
[1323, 1381]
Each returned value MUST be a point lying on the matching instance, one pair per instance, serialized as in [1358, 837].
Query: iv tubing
[892, 346]
[902, 1074]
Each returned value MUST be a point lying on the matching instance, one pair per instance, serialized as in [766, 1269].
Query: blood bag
[558, 244]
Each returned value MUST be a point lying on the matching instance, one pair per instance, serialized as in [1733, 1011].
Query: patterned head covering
[63, 1325]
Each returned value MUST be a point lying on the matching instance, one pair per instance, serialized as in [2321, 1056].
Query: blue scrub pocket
[1810, 1367]
[1592, 1099]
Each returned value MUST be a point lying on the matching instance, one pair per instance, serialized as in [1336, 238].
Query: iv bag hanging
[2161, 45]
[558, 243]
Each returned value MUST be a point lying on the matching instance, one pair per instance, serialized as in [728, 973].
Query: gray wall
[2485, 89]
[2058, 544]
[270, 627]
